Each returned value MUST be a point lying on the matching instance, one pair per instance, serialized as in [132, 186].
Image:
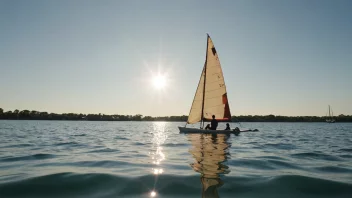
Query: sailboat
[330, 118]
[211, 96]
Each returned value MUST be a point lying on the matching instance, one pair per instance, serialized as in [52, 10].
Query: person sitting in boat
[207, 127]
[228, 126]
[236, 129]
[214, 123]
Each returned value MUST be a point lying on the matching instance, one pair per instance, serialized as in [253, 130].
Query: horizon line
[167, 115]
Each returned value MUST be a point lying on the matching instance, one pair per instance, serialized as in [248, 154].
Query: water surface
[144, 159]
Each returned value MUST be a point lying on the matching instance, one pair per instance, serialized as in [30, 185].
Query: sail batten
[211, 96]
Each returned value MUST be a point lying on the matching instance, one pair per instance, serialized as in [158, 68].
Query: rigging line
[238, 122]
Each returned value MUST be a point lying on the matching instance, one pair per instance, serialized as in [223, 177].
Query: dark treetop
[36, 115]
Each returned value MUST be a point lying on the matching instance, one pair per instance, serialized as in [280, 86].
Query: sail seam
[211, 82]
[211, 97]
[215, 89]
[214, 106]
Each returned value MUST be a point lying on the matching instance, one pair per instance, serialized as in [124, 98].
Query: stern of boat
[182, 129]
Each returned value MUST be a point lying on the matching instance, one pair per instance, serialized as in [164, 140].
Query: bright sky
[278, 57]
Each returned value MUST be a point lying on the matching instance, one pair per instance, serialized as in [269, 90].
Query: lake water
[151, 159]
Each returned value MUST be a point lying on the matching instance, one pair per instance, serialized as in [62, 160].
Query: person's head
[227, 124]
[213, 116]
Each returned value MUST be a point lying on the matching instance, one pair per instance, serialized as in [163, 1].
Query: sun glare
[153, 194]
[159, 81]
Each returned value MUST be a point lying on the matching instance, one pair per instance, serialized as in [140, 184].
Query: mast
[205, 78]
[329, 112]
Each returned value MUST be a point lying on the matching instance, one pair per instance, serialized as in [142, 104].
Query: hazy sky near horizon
[278, 57]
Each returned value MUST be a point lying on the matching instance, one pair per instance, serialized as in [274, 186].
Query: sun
[159, 81]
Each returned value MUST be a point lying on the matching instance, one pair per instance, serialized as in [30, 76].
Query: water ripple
[39, 156]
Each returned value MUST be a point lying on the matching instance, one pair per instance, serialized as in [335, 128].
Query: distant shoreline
[36, 115]
[168, 121]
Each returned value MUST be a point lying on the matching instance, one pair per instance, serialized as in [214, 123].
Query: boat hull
[194, 130]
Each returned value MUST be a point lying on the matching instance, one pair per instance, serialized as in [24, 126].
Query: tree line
[37, 115]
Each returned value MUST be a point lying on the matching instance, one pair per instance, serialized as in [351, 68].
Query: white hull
[194, 130]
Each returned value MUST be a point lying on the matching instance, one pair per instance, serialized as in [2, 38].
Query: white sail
[215, 97]
[195, 115]
[211, 97]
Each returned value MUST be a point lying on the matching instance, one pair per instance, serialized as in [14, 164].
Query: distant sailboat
[330, 117]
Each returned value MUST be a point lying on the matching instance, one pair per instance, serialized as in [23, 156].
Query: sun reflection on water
[157, 154]
[157, 171]
[158, 139]
[153, 194]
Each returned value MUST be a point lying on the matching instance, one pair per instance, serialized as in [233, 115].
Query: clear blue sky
[278, 57]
